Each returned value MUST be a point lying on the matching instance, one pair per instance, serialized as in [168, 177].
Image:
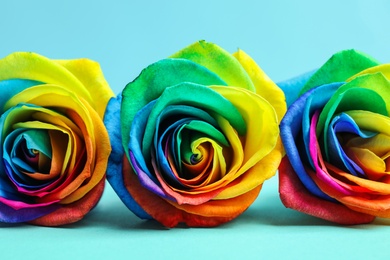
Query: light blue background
[286, 38]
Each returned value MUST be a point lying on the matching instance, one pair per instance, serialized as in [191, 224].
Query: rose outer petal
[292, 87]
[211, 56]
[89, 73]
[297, 118]
[170, 216]
[265, 87]
[112, 122]
[351, 61]
[73, 212]
[13, 86]
[10, 215]
[295, 196]
[69, 74]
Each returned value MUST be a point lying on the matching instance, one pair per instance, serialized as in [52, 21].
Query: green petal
[219, 61]
[154, 80]
[192, 95]
[39, 140]
[367, 92]
[339, 68]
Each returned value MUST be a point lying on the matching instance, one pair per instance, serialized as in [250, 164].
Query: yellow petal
[218, 61]
[261, 120]
[364, 119]
[255, 176]
[28, 65]
[265, 87]
[83, 77]
[383, 68]
[89, 73]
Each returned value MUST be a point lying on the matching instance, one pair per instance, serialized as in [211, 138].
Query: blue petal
[114, 169]
[161, 159]
[292, 87]
[11, 87]
[176, 112]
[315, 101]
[136, 138]
[344, 123]
[10, 215]
[15, 165]
[294, 124]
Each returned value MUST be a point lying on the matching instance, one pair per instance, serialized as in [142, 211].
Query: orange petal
[295, 196]
[376, 205]
[162, 211]
[71, 213]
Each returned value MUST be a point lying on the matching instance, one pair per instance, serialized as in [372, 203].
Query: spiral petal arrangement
[55, 147]
[199, 134]
[336, 140]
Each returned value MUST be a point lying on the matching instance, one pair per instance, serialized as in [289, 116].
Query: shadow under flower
[269, 210]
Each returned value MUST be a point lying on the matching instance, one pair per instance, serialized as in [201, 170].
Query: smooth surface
[286, 38]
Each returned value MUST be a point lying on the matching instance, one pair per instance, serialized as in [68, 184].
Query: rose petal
[351, 61]
[89, 73]
[384, 69]
[73, 212]
[31, 66]
[170, 215]
[292, 87]
[297, 118]
[211, 56]
[372, 204]
[13, 86]
[114, 169]
[343, 123]
[83, 76]
[295, 196]
[9, 215]
[201, 97]
[265, 87]
[153, 80]
[364, 93]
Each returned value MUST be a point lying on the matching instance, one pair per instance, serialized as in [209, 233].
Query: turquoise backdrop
[286, 38]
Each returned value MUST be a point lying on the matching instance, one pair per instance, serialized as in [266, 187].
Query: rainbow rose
[54, 144]
[337, 140]
[194, 137]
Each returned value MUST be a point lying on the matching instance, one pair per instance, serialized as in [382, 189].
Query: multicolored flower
[54, 144]
[337, 140]
[195, 136]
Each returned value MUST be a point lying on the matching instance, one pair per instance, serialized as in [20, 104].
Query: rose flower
[195, 136]
[54, 144]
[337, 140]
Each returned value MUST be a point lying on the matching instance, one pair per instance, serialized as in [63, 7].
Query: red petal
[159, 209]
[73, 212]
[295, 196]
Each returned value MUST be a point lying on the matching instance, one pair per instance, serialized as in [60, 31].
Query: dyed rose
[54, 144]
[337, 141]
[200, 136]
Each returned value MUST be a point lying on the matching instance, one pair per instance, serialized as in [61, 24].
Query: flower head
[200, 135]
[54, 144]
[336, 140]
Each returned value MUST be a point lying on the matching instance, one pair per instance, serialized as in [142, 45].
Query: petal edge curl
[73, 212]
[167, 214]
[265, 87]
[295, 196]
